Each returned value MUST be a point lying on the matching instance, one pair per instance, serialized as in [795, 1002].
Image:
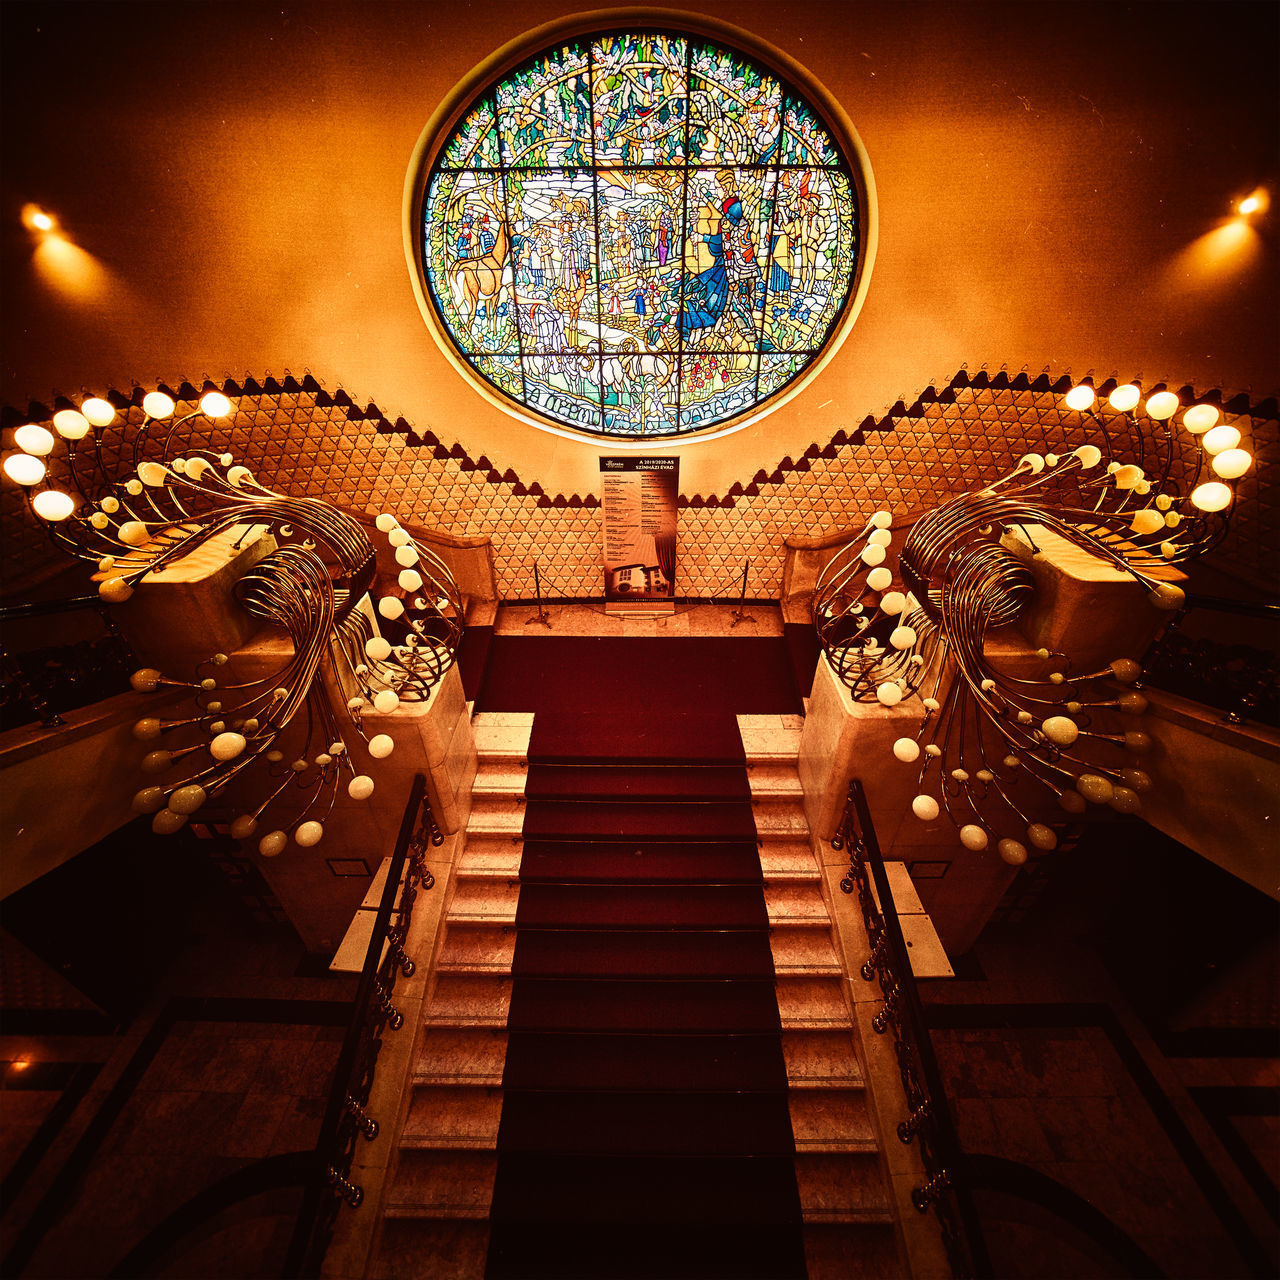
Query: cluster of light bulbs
[35, 443]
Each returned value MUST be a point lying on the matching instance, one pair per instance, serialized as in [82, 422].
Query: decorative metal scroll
[639, 233]
[138, 498]
[993, 745]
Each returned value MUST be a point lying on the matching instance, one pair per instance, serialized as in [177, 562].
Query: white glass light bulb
[272, 843]
[33, 439]
[244, 826]
[377, 648]
[1167, 596]
[893, 602]
[391, 607]
[24, 469]
[133, 533]
[410, 580]
[406, 556]
[213, 404]
[925, 808]
[1200, 417]
[152, 474]
[882, 520]
[880, 537]
[1095, 788]
[1124, 397]
[1012, 852]
[906, 750]
[53, 505]
[155, 404]
[398, 537]
[1042, 836]
[889, 693]
[385, 522]
[385, 701]
[1220, 438]
[1231, 464]
[187, 799]
[1163, 405]
[973, 837]
[1126, 477]
[308, 834]
[96, 410]
[226, 746]
[381, 746]
[360, 787]
[878, 579]
[167, 821]
[872, 554]
[1147, 520]
[1080, 397]
[114, 590]
[903, 637]
[1210, 496]
[1062, 731]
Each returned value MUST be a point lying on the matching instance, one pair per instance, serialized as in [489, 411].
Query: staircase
[573, 1075]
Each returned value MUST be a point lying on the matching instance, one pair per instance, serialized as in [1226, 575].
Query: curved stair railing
[928, 1116]
[329, 1183]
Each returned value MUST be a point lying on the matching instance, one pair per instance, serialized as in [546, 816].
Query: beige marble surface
[688, 620]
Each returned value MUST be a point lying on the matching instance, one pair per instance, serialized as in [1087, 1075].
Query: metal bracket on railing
[367, 1125]
[932, 1191]
[395, 1019]
[396, 943]
[911, 1125]
[880, 1023]
[876, 958]
[349, 1192]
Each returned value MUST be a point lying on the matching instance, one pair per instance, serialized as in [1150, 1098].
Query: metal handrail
[928, 1112]
[346, 1119]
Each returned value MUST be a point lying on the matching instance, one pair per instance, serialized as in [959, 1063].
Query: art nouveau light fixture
[993, 746]
[156, 506]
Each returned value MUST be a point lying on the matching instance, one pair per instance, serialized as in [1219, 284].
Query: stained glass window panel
[640, 233]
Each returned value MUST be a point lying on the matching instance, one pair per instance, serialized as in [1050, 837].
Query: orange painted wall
[1049, 177]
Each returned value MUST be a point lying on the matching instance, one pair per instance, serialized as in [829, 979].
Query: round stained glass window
[640, 234]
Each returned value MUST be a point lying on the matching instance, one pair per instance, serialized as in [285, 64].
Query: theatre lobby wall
[1049, 183]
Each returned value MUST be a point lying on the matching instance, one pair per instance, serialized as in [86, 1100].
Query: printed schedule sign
[638, 502]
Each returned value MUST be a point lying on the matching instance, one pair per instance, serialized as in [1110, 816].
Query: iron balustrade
[347, 1119]
[41, 684]
[1240, 679]
[928, 1119]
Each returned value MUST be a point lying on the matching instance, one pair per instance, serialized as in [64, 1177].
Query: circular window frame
[511, 55]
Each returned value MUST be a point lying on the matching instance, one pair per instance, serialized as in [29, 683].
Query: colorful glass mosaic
[640, 234]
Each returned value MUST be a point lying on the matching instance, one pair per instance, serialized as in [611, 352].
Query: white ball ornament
[872, 554]
[1042, 836]
[892, 603]
[1136, 780]
[187, 799]
[391, 607]
[1125, 800]
[985, 775]
[1231, 464]
[1062, 731]
[133, 533]
[377, 648]
[156, 761]
[880, 538]
[973, 837]
[133, 487]
[882, 520]
[148, 800]
[931, 704]
[145, 679]
[385, 522]
[323, 759]
[275, 756]
[406, 556]
[167, 821]
[906, 750]
[889, 693]
[925, 808]
[410, 580]
[100, 521]
[146, 729]
[960, 775]
[272, 844]
[299, 765]
[381, 746]
[1012, 852]
[902, 637]
[878, 579]
[1090, 455]
[360, 787]
[1011, 762]
[933, 751]
[1072, 802]
[244, 826]
[226, 746]
[1220, 439]
[1146, 521]
[1167, 597]
[385, 701]
[1095, 788]
[337, 748]
[1126, 670]
[309, 834]
[398, 537]
[152, 474]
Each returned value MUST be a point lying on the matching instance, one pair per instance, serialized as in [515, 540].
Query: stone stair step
[458, 1056]
[469, 1000]
[812, 1002]
[443, 1117]
[496, 816]
[842, 1187]
[495, 858]
[433, 1183]
[821, 1059]
[789, 862]
[798, 950]
[502, 736]
[483, 902]
[774, 780]
[831, 1119]
[799, 904]
[414, 1247]
[780, 820]
[478, 948]
[770, 739]
[500, 778]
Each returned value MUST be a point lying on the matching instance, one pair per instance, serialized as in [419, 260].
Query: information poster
[638, 502]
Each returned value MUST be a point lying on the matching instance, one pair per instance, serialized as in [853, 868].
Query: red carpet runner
[645, 1129]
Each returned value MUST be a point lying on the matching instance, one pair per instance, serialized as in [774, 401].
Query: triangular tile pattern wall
[299, 438]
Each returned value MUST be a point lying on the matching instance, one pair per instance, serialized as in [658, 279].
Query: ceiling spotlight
[213, 404]
[1124, 398]
[155, 404]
